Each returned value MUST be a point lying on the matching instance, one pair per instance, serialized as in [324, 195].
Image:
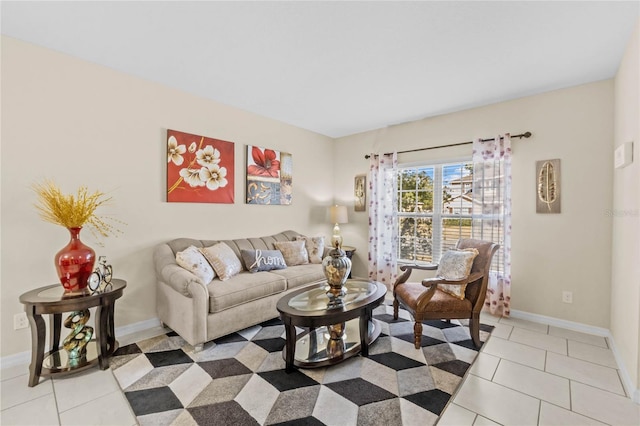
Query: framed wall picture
[548, 186]
[360, 193]
[199, 169]
[269, 176]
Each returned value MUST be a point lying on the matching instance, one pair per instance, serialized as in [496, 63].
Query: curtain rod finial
[527, 134]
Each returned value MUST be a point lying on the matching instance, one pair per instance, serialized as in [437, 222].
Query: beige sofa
[200, 312]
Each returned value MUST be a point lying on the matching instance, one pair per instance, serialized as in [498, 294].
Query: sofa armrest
[169, 272]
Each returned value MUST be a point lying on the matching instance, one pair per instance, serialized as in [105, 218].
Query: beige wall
[551, 253]
[625, 277]
[54, 105]
[79, 123]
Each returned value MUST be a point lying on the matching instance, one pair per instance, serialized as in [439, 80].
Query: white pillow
[314, 246]
[294, 252]
[455, 265]
[193, 261]
[223, 259]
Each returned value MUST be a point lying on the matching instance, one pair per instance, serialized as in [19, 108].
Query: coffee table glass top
[316, 298]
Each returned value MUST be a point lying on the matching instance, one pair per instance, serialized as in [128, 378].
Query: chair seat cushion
[408, 293]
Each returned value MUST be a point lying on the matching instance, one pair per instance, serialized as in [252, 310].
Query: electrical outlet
[20, 321]
[567, 297]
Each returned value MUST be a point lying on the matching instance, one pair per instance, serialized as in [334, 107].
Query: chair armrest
[427, 267]
[428, 282]
[406, 272]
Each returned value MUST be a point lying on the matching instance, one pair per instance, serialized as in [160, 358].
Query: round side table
[54, 301]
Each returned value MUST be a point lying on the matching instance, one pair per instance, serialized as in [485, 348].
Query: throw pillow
[294, 252]
[223, 259]
[314, 246]
[263, 260]
[455, 265]
[193, 261]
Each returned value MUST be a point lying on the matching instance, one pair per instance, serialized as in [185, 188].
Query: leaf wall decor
[548, 186]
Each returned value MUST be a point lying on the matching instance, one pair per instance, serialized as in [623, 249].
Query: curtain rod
[521, 135]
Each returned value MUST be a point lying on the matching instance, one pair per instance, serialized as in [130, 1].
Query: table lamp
[338, 214]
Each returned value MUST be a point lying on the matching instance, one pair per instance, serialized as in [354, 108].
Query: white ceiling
[339, 68]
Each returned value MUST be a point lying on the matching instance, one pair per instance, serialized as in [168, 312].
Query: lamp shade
[338, 214]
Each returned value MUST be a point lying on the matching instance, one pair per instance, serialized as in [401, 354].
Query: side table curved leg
[106, 338]
[102, 314]
[38, 333]
[55, 327]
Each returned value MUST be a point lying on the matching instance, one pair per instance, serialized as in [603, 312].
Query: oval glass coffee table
[331, 332]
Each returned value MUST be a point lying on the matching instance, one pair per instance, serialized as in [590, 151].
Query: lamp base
[336, 238]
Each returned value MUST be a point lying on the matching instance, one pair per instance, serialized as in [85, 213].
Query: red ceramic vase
[74, 263]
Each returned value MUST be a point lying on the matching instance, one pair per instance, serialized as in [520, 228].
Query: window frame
[437, 215]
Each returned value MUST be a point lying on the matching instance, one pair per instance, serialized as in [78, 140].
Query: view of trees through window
[434, 209]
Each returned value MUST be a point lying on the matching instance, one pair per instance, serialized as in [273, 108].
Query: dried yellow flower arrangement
[74, 211]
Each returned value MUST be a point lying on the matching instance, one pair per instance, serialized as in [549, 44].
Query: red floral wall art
[268, 176]
[199, 169]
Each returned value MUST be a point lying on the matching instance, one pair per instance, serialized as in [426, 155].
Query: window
[434, 209]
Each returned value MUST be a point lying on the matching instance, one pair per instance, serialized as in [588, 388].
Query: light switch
[623, 155]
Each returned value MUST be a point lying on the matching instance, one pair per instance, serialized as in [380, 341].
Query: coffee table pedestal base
[322, 346]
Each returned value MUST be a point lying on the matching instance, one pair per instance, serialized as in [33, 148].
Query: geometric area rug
[240, 379]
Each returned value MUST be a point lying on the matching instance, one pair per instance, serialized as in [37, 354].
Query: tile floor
[526, 374]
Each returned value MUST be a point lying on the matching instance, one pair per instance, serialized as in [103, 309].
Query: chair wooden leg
[417, 334]
[474, 329]
[395, 309]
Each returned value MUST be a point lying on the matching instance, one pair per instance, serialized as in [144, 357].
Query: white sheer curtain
[383, 219]
[491, 215]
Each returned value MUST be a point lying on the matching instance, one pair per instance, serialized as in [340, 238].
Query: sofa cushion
[263, 260]
[302, 274]
[223, 259]
[314, 246]
[243, 288]
[193, 261]
[294, 252]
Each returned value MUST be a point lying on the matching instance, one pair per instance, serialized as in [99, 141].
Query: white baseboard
[24, 358]
[627, 382]
[556, 322]
[126, 330]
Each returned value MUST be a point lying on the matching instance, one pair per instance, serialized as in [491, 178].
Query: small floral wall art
[199, 169]
[269, 176]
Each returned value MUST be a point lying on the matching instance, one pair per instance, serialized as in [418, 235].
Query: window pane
[424, 239]
[407, 234]
[407, 201]
[452, 230]
[457, 181]
[420, 178]
[424, 179]
[424, 201]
